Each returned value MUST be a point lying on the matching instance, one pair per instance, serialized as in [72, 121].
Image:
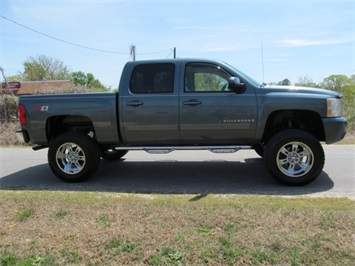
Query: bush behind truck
[185, 104]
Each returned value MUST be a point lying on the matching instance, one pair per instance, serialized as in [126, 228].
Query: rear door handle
[134, 103]
[192, 102]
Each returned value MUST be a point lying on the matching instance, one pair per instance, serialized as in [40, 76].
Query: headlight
[334, 107]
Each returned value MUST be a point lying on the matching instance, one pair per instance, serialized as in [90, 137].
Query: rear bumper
[334, 129]
[22, 136]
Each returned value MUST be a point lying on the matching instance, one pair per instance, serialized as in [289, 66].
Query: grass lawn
[88, 228]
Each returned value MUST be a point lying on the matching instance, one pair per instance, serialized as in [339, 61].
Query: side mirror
[234, 84]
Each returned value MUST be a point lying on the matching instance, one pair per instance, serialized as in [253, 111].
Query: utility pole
[174, 52]
[132, 52]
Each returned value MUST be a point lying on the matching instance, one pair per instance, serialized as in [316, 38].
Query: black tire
[259, 149]
[294, 157]
[73, 156]
[113, 155]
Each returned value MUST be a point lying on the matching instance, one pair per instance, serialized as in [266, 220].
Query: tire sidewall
[293, 135]
[89, 148]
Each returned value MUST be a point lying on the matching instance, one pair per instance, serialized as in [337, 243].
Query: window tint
[152, 78]
[205, 78]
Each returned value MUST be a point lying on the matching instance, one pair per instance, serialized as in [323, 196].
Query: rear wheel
[73, 156]
[294, 157]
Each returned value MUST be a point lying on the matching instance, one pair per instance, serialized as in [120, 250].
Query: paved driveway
[181, 172]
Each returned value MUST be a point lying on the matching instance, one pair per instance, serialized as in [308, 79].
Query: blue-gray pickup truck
[185, 104]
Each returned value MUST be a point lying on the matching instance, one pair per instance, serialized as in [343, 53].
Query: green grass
[60, 215]
[70, 256]
[103, 220]
[23, 215]
[10, 259]
[88, 228]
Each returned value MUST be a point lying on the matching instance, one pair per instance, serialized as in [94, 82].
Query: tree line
[42, 68]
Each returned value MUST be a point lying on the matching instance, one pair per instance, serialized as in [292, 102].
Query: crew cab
[185, 104]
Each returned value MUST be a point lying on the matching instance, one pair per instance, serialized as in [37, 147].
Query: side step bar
[166, 149]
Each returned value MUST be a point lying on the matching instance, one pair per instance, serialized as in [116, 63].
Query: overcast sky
[291, 39]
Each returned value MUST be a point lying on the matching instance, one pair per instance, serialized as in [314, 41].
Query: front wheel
[294, 157]
[73, 156]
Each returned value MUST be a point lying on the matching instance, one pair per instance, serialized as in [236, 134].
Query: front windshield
[245, 76]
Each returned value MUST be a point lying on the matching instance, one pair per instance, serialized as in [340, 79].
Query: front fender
[275, 102]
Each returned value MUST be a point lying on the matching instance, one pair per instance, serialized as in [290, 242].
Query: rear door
[212, 114]
[150, 105]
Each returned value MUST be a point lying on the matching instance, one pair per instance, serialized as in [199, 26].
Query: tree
[336, 82]
[8, 108]
[14, 78]
[44, 68]
[346, 86]
[306, 81]
[8, 104]
[79, 78]
[284, 82]
[87, 80]
[47, 68]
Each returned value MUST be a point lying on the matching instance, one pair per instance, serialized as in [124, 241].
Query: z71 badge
[42, 108]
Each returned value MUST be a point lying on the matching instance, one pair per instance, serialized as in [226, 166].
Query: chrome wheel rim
[70, 158]
[295, 159]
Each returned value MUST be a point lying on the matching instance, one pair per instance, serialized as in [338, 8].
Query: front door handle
[134, 103]
[192, 102]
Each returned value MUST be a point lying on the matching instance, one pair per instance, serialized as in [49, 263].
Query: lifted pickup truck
[185, 104]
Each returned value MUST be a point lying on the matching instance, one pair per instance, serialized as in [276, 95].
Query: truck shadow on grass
[168, 177]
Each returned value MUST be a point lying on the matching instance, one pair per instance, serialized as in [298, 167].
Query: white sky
[299, 38]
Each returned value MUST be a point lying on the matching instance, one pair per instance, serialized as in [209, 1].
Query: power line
[169, 54]
[74, 44]
[57, 39]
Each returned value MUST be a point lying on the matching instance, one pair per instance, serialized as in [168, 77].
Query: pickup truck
[185, 104]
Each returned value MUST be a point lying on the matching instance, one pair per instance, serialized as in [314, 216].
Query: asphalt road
[180, 172]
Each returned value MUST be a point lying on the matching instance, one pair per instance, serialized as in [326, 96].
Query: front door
[210, 113]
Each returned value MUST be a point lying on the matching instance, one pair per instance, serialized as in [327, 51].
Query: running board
[166, 149]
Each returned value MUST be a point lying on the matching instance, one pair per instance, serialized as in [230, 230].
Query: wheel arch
[58, 125]
[306, 120]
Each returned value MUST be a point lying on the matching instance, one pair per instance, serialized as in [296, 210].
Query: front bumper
[22, 136]
[334, 129]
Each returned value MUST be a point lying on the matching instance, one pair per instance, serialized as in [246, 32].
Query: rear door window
[152, 78]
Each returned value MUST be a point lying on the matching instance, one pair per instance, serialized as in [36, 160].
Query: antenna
[262, 59]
